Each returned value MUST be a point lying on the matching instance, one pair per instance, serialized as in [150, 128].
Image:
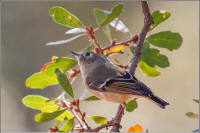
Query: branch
[148, 21]
[133, 39]
[97, 129]
[115, 122]
[81, 114]
[114, 52]
[118, 118]
[81, 121]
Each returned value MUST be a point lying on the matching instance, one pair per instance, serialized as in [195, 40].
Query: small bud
[77, 102]
[87, 30]
[92, 37]
[72, 103]
[96, 50]
[91, 30]
[73, 69]
[113, 42]
[77, 110]
[53, 59]
[126, 44]
[135, 38]
[62, 104]
[72, 75]
[53, 129]
[84, 114]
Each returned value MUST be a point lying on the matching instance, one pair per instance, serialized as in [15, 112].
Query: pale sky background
[27, 27]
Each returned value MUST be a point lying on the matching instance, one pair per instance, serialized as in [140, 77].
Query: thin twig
[82, 124]
[90, 33]
[114, 52]
[82, 114]
[148, 21]
[114, 44]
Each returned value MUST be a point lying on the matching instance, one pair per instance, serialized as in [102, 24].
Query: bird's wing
[95, 84]
[126, 87]
[125, 83]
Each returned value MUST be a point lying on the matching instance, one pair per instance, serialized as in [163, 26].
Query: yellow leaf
[115, 49]
[136, 128]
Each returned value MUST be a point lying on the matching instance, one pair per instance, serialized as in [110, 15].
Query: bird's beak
[76, 53]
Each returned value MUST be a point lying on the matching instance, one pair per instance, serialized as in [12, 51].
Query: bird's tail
[160, 102]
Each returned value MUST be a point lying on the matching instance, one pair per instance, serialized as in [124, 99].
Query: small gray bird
[109, 82]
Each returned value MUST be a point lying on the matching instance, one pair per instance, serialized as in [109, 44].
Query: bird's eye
[87, 54]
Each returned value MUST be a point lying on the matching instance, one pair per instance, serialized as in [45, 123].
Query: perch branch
[148, 21]
[113, 123]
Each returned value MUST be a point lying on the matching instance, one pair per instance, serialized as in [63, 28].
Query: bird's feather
[124, 84]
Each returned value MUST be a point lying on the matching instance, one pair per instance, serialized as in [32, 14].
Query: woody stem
[148, 21]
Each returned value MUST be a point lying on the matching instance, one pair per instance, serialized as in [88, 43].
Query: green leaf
[145, 49]
[152, 57]
[196, 100]
[64, 17]
[159, 16]
[47, 74]
[92, 98]
[166, 39]
[131, 105]
[100, 17]
[99, 119]
[57, 123]
[65, 116]
[192, 115]
[64, 82]
[67, 126]
[113, 15]
[35, 101]
[52, 108]
[106, 30]
[148, 70]
[155, 58]
[44, 117]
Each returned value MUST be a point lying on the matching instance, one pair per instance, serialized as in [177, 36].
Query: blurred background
[27, 27]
